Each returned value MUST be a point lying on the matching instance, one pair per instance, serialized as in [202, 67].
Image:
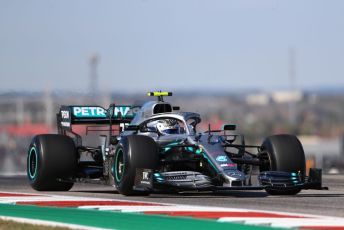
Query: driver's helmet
[167, 126]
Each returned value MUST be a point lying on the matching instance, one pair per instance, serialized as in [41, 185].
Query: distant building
[286, 96]
[258, 99]
[275, 96]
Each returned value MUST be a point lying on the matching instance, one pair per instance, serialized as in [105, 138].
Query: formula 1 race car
[155, 147]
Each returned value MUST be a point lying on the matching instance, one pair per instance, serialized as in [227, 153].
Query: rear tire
[51, 157]
[133, 152]
[285, 153]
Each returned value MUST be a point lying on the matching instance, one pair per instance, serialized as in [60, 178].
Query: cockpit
[172, 124]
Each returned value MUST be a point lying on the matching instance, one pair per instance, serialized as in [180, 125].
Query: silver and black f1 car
[155, 147]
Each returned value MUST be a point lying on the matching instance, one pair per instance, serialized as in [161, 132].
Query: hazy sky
[162, 44]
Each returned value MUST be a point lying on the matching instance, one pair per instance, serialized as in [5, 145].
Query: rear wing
[80, 115]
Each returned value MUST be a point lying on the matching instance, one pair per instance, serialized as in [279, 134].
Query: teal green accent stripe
[198, 151]
[32, 175]
[172, 144]
[166, 149]
[211, 163]
[190, 149]
[116, 220]
[169, 146]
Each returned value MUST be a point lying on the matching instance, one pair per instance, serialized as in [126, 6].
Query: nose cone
[234, 175]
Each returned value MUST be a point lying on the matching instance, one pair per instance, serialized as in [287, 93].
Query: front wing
[194, 181]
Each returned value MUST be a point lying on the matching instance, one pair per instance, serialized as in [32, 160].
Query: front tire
[133, 152]
[51, 158]
[284, 153]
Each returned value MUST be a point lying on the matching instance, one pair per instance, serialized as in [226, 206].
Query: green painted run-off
[116, 220]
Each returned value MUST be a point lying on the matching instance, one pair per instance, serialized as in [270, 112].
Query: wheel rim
[119, 165]
[32, 163]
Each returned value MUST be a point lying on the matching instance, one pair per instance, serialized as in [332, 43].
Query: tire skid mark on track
[244, 216]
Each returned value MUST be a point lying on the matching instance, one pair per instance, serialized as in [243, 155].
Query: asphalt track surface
[329, 203]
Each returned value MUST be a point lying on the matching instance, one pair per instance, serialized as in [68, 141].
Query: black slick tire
[133, 152]
[285, 153]
[51, 158]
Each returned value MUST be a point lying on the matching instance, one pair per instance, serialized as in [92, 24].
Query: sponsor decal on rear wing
[95, 115]
[99, 112]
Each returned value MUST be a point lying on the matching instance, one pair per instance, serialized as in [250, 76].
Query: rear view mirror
[229, 127]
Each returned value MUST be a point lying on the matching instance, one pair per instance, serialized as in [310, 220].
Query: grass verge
[12, 225]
